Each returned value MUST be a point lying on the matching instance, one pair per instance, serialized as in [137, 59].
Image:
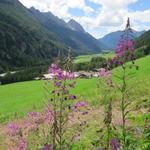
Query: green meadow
[87, 58]
[19, 98]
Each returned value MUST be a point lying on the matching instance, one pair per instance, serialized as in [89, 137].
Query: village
[79, 74]
[48, 76]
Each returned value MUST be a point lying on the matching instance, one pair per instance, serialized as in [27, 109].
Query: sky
[98, 17]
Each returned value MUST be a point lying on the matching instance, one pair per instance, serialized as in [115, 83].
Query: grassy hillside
[22, 97]
[23, 41]
[87, 58]
[143, 42]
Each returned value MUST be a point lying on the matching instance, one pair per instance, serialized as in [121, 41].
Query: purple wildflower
[70, 75]
[52, 68]
[35, 117]
[125, 49]
[79, 105]
[59, 74]
[72, 97]
[32, 114]
[65, 91]
[115, 145]
[48, 147]
[33, 120]
[13, 129]
[57, 84]
[48, 116]
[107, 75]
[22, 144]
[11, 148]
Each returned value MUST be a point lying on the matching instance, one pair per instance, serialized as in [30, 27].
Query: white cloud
[111, 16]
[58, 7]
[112, 12]
[79, 4]
[141, 16]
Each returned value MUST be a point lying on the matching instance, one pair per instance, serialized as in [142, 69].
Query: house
[83, 74]
[48, 76]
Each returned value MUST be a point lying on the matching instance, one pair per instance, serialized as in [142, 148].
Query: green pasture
[19, 98]
[87, 58]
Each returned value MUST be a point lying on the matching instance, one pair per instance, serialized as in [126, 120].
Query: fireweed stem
[108, 137]
[61, 118]
[55, 121]
[123, 90]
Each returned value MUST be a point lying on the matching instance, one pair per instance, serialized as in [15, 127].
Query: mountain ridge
[111, 39]
[31, 38]
[72, 24]
[143, 43]
[80, 42]
[23, 41]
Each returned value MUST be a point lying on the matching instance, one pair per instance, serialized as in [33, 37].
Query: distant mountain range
[111, 39]
[29, 37]
[71, 33]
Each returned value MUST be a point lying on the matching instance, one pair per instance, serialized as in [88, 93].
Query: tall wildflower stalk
[105, 79]
[63, 81]
[124, 53]
[107, 121]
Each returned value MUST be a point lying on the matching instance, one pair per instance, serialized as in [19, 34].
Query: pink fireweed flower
[13, 129]
[60, 74]
[11, 148]
[22, 144]
[70, 75]
[33, 120]
[114, 59]
[48, 147]
[32, 114]
[57, 83]
[119, 50]
[53, 68]
[65, 91]
[125, 49]
[106, 74]
[30, 126]
[115, 145]
[72, 97]
[48, 115]
[35, 117]
[130, 44]
[80, 105]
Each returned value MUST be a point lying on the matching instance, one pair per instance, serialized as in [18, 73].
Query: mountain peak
[74, 25]
[33, 9]
[47, 17]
